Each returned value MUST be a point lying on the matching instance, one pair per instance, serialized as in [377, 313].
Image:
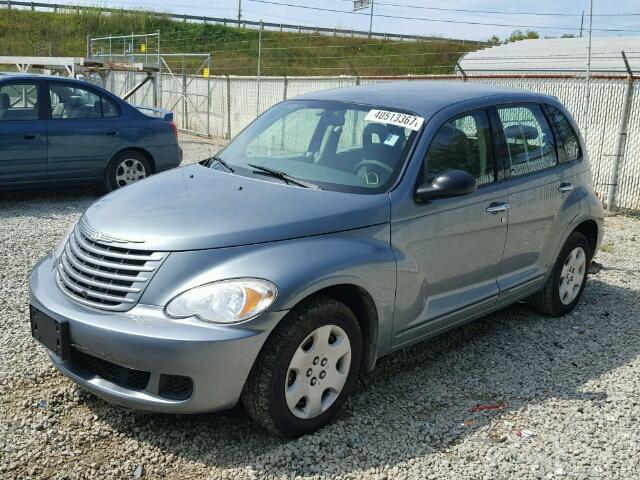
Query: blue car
[56, 130]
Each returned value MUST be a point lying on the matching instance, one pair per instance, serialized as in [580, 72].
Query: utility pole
[239, 12]
[371, 19]
[588, 93]
[581, 23]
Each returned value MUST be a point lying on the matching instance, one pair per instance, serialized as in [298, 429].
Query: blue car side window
[72, 101]
[18, 101]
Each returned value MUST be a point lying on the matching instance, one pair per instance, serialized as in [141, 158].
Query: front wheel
[306, 370]
[126, 168]
[566, 283]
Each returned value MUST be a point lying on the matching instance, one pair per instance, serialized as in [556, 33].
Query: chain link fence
[233, 102]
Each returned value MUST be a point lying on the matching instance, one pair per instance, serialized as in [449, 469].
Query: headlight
[227, 301]
[57, 253]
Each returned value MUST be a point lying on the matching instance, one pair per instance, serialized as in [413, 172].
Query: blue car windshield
[332, 145]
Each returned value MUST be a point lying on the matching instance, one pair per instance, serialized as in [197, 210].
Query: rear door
[23, 140]
[84, 131]
[528, 151]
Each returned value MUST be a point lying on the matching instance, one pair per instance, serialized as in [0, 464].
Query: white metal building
[555, 55]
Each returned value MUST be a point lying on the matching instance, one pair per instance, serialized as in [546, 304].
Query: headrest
[367, 135]
[5, 101]
[517, 132]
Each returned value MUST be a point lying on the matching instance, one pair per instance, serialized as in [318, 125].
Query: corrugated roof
[556, 55]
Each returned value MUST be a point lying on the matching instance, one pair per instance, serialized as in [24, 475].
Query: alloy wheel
[129, 171]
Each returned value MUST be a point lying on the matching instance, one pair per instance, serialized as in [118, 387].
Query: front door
[23, 140]
[449, 250]
[83, 131]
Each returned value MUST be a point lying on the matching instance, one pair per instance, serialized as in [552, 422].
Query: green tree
[493, 40]
[520, 35]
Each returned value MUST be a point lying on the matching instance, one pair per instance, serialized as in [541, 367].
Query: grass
[234, 50]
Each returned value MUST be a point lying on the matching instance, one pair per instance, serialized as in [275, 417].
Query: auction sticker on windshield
[395, 118]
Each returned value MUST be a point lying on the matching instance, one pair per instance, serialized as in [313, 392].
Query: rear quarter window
[568, 144]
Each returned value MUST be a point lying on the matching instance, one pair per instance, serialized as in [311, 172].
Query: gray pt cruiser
[335, 229]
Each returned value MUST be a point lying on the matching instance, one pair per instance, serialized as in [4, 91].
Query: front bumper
[217, 359]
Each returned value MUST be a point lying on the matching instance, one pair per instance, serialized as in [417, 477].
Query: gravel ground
[567, 389]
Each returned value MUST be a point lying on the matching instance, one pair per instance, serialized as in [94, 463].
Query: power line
[424, 19]
[497, 12]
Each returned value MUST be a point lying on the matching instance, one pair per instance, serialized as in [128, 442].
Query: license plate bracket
[51, 333]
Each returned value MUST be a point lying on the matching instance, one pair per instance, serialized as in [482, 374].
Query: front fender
[298, 268]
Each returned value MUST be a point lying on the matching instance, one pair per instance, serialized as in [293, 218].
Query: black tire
[548, 301]
[110, 181]
[264, 393]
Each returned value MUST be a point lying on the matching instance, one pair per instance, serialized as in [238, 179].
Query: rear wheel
[126, 168]
[307, 369]
[566, 283]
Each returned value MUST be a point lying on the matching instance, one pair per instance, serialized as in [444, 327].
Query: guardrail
[242, 23]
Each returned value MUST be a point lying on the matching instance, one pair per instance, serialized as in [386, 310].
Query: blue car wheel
[126, 168]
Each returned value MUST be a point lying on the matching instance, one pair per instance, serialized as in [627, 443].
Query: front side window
[568, 143]
[333, 145]
[462, 143]
[18, 101]
[530, 143]
[70, 101]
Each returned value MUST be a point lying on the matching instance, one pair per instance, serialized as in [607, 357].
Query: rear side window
[530, 143]
[568, 143]
[462, 143]
[110, 108]
[71, 101]
[18, 101]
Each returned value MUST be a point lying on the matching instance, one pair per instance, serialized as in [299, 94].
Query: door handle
[497, 207]
[112, 133]
[566, 187]
[31, 137]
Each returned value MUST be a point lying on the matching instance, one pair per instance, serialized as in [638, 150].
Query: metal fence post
[621, 141]
[228, 107]
[259, 60]
[154, 89]
[209, 96]
[185, 124]
[88, 46]
[285, 88]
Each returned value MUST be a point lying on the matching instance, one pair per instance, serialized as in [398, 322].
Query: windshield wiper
[285, 177]
[216, 158]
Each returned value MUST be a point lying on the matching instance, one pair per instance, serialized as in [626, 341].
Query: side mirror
[450, 183]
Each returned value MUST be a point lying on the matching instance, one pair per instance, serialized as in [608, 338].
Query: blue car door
[23, 140]
[83, 131]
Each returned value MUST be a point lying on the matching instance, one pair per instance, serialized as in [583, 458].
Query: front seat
[382, 149]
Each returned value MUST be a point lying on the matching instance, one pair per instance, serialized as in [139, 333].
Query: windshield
[332, 145]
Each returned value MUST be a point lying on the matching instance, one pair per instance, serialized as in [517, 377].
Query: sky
[554, 25]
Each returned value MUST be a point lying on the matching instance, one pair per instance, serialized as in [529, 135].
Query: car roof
[31, 76]
[424, 98]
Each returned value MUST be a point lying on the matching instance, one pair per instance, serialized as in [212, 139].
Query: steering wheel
[371, 170]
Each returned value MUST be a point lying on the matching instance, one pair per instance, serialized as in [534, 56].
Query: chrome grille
[101, 275]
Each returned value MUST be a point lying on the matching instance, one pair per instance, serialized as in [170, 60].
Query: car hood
[195, 207]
